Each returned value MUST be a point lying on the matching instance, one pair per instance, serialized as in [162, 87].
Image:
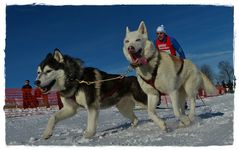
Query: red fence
[15, 97]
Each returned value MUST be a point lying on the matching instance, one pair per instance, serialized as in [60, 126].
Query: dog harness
[151, 81]
[114, 89]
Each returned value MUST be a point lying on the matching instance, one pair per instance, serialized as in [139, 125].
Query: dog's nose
[131, 48]
[37, 82]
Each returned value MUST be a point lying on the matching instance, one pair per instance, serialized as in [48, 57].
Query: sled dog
[63, 74]
[158, 72]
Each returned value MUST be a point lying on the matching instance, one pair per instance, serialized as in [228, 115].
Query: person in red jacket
[168, 44]
[27, 94]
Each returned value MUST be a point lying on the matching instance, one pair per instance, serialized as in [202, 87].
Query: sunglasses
[160, 33]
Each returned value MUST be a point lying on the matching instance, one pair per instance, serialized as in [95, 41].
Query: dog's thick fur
[62, 73]
[178, 79]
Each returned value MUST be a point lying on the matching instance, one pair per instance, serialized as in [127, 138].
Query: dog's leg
[152, 103]
[191, 88]
[182, 100]
[192, 108]
[68, 110]
[184, 120]
[125, 107]
[182, 106]
[91, 122]
[192, 97]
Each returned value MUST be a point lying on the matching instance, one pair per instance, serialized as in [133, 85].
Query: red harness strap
[153, 78]
[181, 67]
[154, 74]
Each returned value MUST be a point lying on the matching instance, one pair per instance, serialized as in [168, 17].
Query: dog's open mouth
[137, 58]
[48, 87]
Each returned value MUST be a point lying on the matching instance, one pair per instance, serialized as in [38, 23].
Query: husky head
[58, 72]
[137, 47]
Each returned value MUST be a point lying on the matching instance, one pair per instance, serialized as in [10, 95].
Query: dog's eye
[138, 40]
[38, 72]
[126, 41]
[48, 71]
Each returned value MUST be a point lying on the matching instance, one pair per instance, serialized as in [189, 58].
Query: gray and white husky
[159, 72]
[63, 73]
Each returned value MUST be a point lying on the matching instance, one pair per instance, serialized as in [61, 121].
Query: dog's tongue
[138, 59]
[142, 61]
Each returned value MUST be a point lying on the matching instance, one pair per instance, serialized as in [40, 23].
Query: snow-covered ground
[213, 126]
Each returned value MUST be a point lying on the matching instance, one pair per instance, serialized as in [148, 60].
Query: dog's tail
[207, 85]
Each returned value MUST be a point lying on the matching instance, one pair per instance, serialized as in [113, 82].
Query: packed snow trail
[213, 125]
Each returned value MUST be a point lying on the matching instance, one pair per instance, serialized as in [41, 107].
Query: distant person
[224, 86]
[219, 88]
[27, 94]
[234, 84]
[230, 86]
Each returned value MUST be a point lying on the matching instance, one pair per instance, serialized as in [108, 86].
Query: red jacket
[165, 46]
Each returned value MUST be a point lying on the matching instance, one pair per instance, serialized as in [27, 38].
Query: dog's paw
[88, 134]
[191, 117]
[163, 126]
[134, 123]
[167, 130]
[47, 134]
[184, 121]
[180, 125]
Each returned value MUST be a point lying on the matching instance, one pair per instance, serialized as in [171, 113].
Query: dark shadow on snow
[200, 106]
[119, 127]
[159, 107]
[125, 126]
[210, 115]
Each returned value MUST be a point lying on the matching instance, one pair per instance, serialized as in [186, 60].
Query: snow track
[213, 125]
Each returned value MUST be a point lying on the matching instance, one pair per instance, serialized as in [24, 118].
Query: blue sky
[95, 34]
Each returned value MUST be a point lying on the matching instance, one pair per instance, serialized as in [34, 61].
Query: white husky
[159, 72]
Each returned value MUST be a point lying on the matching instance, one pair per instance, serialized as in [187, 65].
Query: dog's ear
[58, 56]
[142, 29]
[49, 55]
[127, 30]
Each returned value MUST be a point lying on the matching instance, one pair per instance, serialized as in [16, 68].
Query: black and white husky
[63, 73]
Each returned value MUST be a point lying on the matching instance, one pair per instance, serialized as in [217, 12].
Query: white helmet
[161, 28]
